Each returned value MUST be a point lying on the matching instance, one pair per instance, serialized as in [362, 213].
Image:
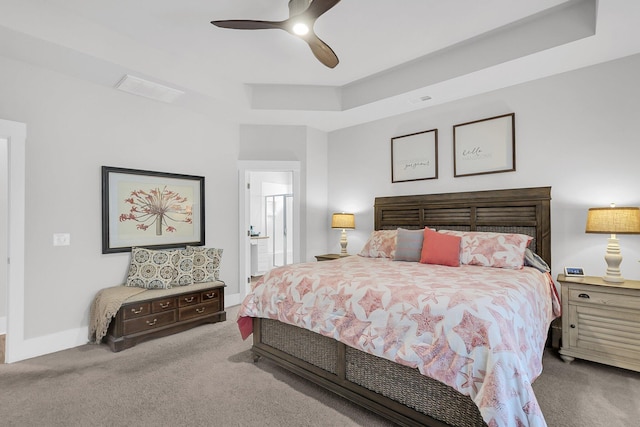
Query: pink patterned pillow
[501, 250]
[381, 244]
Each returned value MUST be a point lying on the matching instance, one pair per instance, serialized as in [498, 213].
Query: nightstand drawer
[604, 298]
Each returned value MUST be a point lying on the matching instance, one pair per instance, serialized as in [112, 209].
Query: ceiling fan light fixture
[300, 28]
[302, 17]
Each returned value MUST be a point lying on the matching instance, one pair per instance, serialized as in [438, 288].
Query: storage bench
[160, 312]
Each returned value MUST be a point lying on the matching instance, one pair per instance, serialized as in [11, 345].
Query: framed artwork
[485, 146]
[150, 209]
[414, 157]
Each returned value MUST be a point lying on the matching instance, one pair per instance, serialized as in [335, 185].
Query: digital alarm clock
[574, 271]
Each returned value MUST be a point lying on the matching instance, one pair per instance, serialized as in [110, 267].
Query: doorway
[269, 217]
[4, 241]
[12, 205]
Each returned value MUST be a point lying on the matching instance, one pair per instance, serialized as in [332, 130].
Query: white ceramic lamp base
[613, 259]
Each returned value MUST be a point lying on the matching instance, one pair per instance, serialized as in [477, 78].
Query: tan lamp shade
[343, 220]
[613, 220]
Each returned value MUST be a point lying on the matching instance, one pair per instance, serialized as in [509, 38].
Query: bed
[405, 366]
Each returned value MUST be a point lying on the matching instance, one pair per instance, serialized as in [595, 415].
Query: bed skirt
[394, 391]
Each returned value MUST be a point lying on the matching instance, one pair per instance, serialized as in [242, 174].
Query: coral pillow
[488, 249]
[381, 244]
[442, 249]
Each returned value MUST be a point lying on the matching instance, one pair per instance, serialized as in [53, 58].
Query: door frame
[16, 134]
[245, 167]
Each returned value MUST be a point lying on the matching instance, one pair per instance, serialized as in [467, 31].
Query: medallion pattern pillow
[206, 263]
[183, 262]
[151, 269]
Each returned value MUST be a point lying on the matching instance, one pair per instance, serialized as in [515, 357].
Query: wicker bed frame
[397, 392]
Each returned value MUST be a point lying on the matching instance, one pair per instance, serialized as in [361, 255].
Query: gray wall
[577, 132]
[73, 129]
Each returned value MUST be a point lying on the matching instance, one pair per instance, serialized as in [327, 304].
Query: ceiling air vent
[420, 100]
[138, 86]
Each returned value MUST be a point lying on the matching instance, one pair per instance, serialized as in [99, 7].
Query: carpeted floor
[206, 377]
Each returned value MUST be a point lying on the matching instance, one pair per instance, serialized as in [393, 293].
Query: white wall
[577, 132]
[75, 127]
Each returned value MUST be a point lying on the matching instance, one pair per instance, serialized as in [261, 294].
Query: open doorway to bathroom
[269, 218]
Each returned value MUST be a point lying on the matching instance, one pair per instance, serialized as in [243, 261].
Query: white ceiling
[391, 52]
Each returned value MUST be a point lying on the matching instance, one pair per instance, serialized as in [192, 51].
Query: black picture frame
[151, 209]
[414, 157]
[485, 146]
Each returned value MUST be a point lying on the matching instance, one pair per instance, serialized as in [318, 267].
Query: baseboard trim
[40, 346]
[64, 340]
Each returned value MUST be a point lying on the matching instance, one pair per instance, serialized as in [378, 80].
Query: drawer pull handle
[152, 323]
[190, 299]
[138, 311]
[573, 326]
[200, 310]
[165, 305]
[586, 296]
[211, 295]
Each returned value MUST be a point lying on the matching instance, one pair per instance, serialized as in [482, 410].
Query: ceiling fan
[302, 16]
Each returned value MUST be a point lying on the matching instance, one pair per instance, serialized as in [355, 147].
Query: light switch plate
[61, 239]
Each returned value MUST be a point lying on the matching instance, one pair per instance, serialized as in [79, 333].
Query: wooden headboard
[522, 210]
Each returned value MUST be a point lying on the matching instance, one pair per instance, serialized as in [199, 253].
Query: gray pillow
[532, 259]
[409, 245]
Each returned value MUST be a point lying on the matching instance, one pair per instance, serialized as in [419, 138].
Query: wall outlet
[61, 239]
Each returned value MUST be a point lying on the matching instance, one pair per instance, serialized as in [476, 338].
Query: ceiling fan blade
[246, 24]
[318, 7]
[321, 50]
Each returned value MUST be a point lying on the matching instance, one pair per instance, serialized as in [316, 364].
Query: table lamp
[343, 221]
[613, 220]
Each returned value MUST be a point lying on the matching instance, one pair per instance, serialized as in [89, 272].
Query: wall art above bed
[150, 209]
[485, 146]
[414, 157]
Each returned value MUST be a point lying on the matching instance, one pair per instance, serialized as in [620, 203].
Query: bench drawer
[199, 310]
[132, 311]
[149, 322]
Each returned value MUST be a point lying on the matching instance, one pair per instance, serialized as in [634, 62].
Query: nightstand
[601, 321]
[329, 257]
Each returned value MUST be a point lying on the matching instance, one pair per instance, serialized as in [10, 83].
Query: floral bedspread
[480, 330]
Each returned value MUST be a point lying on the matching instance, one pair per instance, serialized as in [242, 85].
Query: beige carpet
[206, 377]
